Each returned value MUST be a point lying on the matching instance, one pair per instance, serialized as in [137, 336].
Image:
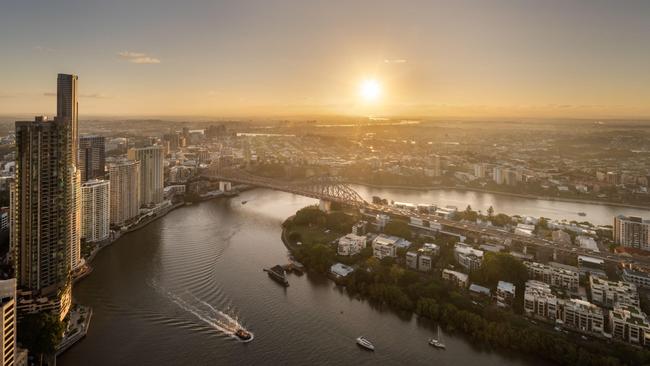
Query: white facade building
[633, 232]
[125, 191]
[468, 257]
[351, 244]
[609, 293]
[151, 160]
[384, 246]
[583, 315]
[630, 324]
[539, 301]
[554, 274]
[505, 294]
[459, 279]
[95, 210]
[8, 321]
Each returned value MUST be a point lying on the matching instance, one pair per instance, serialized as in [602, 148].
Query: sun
[370, 90]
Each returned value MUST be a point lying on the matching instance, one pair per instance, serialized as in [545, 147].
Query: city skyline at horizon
[499, 59]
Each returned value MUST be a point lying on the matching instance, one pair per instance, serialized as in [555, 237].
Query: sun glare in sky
[370, 90]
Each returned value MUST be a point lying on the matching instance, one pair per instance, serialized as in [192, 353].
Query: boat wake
[225, 322]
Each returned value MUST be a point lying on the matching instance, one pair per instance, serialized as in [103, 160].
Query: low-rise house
[412, 260]
[505, 294]
[561, 237]
[555, 274]
[630, 324]
[431, 249]
[641, 279]
[340, 270]
[583, 315]
[591, 266]
[459, 279]
[425, 262]
[539, 301]
[479, 290]
[587, 242]
[524, 229]
[351, 244]
[610, 293]
[384, 246]
[360, 228]
[468, 257]
[492, 248]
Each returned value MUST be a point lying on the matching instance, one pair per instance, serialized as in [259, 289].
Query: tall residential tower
[92, 157]
[152, 183]
[46, 200]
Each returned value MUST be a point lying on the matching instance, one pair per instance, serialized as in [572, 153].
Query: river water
[170, 294]
[596, 214]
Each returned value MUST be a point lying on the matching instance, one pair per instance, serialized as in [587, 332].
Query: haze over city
[285, 182]
[505, 58]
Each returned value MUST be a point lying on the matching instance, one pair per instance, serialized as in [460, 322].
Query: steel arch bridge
[325, 188]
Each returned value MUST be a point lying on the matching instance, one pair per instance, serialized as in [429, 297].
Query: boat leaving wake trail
[221, 321]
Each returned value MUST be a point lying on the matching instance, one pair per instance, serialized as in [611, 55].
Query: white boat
[435, 342]
[363, 342]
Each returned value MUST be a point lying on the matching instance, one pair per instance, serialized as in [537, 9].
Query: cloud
[43, 49]
[395, 61]
[138, 58]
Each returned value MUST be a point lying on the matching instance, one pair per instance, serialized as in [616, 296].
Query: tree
[41, 333]
[396, 272]
[490, 211]
[398, 228]
[309, 215]
[339, 221]
[469, 215]
[501, 267]
[543, 223]
[318, 256]
[501, 220]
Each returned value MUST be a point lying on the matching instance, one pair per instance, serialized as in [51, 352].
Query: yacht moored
[365, 343]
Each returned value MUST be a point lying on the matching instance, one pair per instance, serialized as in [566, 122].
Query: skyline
[511, 59]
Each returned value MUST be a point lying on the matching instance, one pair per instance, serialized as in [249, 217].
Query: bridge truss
[326, 188]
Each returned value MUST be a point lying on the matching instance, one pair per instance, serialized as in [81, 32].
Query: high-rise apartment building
[124, 191]
[67, 109]
[151, 160]
[43, 233]
[92, 157]
[633, 232]
[95, 210]
[46, 200]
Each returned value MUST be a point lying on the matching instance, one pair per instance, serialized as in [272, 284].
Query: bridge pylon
[324, 205]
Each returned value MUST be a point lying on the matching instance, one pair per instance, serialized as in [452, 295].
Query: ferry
[582, 214]
[244, 202]
[278, 275]
[365, 343]
[243, 335]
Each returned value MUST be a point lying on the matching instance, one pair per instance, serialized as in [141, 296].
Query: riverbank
[506, 194]
[388, 282]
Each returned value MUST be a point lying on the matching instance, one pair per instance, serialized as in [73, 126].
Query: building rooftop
[506, 286]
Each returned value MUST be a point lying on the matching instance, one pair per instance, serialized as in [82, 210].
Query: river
[596, 213]
[168, 293]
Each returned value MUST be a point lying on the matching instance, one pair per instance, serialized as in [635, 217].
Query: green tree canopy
[398, 228]
[41, 333]
[309, 215]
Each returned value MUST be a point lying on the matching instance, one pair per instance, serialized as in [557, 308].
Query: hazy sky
[482, 58]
